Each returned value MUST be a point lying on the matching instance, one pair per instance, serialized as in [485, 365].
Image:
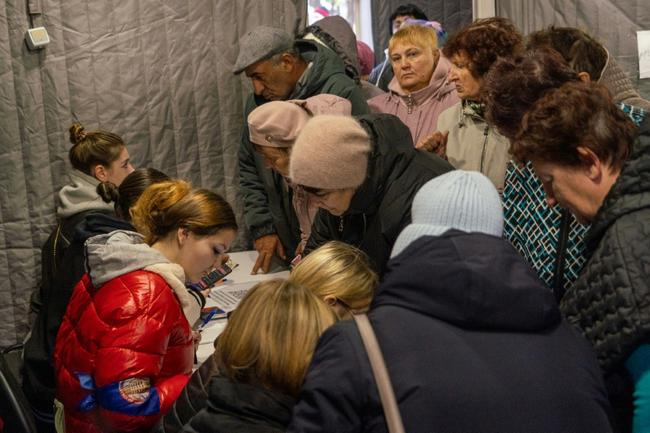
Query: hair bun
[108, 192]
[77, 133]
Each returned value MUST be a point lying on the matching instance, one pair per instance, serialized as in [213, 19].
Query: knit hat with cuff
[460, 200]
[278, 123]
[331, 152]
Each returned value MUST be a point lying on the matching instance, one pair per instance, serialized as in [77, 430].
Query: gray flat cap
[261, 44]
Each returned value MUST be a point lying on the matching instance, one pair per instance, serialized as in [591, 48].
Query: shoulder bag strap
[386, 394]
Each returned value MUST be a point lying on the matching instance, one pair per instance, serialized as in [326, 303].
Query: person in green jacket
[281, 68]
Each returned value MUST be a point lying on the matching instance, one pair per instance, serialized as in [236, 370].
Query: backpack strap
[379, 371]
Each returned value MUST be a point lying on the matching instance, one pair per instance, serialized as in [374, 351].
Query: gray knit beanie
[461, 200]
[331, 152]
[259, 44]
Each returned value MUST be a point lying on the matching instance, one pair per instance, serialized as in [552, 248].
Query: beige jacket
[473, 145]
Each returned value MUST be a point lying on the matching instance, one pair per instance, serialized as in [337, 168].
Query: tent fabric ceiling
[157, 73]
[613, 23]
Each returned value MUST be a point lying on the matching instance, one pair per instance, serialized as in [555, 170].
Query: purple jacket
[419, 110]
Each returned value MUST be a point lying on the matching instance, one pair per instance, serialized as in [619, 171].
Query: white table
[241, 274]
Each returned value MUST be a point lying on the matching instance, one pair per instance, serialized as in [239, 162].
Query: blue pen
[207, 319]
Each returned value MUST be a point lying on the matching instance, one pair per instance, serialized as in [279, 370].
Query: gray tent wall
[453, 15]
[156, 72]
[613, 23]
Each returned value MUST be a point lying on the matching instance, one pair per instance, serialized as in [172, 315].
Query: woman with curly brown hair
[463, 135]
[594, 162]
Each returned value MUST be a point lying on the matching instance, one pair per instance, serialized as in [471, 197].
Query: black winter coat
[239, 408]
[610, 302]
[381, 206]
[63, 266]
[473, 342]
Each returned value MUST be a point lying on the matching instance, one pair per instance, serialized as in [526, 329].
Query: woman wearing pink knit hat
[273, 129]
[362, 172]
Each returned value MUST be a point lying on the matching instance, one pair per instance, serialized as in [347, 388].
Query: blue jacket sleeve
[638, 364]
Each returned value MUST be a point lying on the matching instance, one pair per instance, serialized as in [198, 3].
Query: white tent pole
[483, 8]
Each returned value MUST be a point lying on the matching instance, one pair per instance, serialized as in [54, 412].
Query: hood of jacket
[324, 64]
[117, 253]
[630, 192]
[620, 86]
[391, 145]
[336, 33]
[471, 280]
[437, 88]
[96, 223]
[111, 255]
[80, 195]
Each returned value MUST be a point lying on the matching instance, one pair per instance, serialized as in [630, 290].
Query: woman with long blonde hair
[260, 359]
[340, 275]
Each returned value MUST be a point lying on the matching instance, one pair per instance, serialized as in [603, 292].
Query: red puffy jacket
[123, 354]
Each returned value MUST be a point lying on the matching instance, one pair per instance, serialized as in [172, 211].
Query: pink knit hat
[278, 123]
[331, 152]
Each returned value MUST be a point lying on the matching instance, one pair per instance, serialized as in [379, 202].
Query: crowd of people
[484, 201]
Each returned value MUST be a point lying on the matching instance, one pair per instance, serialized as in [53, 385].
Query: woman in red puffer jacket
[125, 349]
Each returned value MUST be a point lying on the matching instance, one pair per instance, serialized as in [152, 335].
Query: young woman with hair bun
[125, 349]
[96, 157]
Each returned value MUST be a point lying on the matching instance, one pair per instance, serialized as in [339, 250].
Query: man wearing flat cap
[281, 69]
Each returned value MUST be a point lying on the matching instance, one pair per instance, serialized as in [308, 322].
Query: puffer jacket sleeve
[142, 315]
[334, 395]
[193, 398]
[257, 216]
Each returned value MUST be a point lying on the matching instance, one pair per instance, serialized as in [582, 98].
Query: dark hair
[93, 148]
[130, 189]
[582, 52]
[408, 9]
[166, 206]
[575, 114]
[483, 42]
[512, 85]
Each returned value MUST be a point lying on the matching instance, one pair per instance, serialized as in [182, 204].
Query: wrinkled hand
[266, 246]
[435, 143]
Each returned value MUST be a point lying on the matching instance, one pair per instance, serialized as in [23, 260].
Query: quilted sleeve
[140, 313]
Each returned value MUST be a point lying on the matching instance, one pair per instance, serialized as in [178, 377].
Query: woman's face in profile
[198, 255]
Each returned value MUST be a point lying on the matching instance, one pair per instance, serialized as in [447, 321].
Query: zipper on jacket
[563, 236]
[409, 103]
[340, 224]
[485, 133]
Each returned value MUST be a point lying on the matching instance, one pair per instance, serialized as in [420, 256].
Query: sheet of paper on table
[230, 292]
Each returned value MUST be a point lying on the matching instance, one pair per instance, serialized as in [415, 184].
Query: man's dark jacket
[267, 201]
[381, 206]
[473, 342]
